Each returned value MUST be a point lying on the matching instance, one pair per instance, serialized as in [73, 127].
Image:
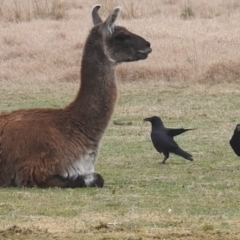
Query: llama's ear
[109, 24]
[95, 16]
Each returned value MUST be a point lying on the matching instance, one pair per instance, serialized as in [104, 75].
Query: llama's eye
[122, 36]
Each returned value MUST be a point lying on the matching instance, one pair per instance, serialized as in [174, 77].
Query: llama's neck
[96, 98]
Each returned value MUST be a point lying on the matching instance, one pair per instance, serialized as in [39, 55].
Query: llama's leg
[90, 180]
[44, 178]
[53, 181]
[37, 176]
[59, 181]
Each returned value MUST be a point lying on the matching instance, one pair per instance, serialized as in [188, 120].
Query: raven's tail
[183, 154]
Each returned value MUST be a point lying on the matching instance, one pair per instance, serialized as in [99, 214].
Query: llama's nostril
[148, 44]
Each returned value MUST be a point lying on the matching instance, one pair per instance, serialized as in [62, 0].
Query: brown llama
[58, 147]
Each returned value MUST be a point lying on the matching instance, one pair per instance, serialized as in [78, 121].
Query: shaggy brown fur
[58, 147]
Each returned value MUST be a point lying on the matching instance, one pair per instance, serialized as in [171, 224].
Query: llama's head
[120, 45]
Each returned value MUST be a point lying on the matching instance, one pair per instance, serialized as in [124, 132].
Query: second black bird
[162, 139]
[235, 140]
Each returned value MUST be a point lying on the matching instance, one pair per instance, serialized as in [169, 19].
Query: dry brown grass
[27, 10]
[203, 48]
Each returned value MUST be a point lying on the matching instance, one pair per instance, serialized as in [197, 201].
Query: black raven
[162, 139]
[235, 140]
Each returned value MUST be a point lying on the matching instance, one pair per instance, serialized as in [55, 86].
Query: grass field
[191, 80]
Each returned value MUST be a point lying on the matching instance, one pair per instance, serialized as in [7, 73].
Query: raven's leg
[166, 156]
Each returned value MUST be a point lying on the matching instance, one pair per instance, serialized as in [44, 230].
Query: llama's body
[55, 145]
[58, 147]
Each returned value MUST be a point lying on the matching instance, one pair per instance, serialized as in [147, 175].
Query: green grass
[141, 199]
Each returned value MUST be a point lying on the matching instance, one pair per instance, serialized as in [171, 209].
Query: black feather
[177, 131]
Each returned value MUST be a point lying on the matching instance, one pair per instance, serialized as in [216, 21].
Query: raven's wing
[177, 131]
[165, 143]
[162, 141]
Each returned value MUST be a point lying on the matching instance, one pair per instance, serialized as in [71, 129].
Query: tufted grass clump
[28, 10]
[187, 12]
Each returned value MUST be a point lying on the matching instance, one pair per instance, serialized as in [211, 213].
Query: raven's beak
[147, 119]
[238, 127]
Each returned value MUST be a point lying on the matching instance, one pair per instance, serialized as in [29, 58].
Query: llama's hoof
[94, 180]
[99, 181]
